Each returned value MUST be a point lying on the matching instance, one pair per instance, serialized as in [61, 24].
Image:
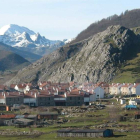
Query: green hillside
[129, 72]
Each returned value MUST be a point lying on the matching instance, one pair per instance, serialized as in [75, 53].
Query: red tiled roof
[10, 94]
[59, 96]
[74, 95]
[12, 85]
[44, 84]
[136, 84]
[2, 87]
[126, 85]
[22, 86]
[45, 94]
[14, 94]
[30, 94]
[8, 116]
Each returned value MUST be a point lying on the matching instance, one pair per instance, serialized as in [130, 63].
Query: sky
[60, 19]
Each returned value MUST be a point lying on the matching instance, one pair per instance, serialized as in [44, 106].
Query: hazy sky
[59, 19]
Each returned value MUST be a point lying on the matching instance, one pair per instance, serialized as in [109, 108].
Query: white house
[99, 92]
[2, 98]
[89, 97]
[126, 89]
[115, 89]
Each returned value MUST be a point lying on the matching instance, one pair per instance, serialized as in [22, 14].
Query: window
[70, 98]
[78, 98]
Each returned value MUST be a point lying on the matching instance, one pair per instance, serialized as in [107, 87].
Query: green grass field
[53, 136]
[88, 119]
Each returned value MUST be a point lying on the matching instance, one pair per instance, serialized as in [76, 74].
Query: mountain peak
[13, 29]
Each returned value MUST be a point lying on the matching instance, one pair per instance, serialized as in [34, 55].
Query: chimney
[49, 93]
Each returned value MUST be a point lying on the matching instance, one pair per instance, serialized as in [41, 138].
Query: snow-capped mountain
[25, 39]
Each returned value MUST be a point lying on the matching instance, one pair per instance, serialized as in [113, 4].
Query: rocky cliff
[94, 59]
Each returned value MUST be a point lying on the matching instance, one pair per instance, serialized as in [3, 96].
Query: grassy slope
[83, 121]
[130, 70]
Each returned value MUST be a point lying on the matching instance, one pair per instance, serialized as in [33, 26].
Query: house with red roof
[11, 98]
[30, 98]
[126, 89]
[115, 88]
[23, 87]
[45, 98]
[104, 86]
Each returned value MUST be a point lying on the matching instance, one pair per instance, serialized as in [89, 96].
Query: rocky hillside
[97, 58]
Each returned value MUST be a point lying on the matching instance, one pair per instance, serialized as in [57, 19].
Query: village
[69, 109]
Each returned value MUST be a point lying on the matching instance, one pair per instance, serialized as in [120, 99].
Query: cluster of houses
[47, 94]
[124, 89]
[62, 94]
[113, 89]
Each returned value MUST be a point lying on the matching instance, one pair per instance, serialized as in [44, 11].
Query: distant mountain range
[27, 40]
